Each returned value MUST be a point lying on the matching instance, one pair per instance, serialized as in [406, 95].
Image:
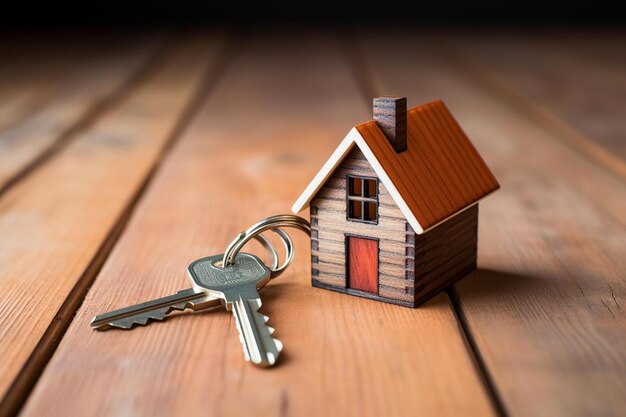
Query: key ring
[289, 252]
[271, 249]
[273, 223]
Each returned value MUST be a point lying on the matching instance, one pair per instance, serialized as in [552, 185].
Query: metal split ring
[271, 249]
[274, 224]
[289, 252]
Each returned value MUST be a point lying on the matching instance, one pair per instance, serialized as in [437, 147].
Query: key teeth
[279, 346]
[143, 319]
[127, 325]
[271, 346]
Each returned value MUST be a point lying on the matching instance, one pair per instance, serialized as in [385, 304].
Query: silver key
[142, 314]
[195, 298]
[237, 285]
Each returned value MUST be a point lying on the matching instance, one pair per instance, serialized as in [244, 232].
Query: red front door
[362, 264]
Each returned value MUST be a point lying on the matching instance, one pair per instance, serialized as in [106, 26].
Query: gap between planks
[370, 89]
[491, 82]
[18, 392]
[85, 119]
[479, 363]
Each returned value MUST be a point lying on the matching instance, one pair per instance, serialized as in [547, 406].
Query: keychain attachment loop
[273, 223]
[270, 249]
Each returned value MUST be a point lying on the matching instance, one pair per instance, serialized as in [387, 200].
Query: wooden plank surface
[29, 70]
[53, 93]
[545, 310]
[55, 224]
[572, 84]
[248, 154]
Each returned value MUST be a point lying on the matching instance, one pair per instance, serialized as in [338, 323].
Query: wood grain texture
[330, 225]
[440, 173]
[445, 254]
[545, 309]
[31, 72]
[241, 160]
[573, 84]
[53, 223]
[390, 116]
[52, 95]
[362, 258]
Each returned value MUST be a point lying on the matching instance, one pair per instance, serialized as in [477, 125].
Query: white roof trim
[354, 137]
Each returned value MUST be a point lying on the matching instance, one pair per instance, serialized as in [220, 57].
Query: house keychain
[394, 218]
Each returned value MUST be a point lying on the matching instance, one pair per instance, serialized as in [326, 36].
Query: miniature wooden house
[394, 211]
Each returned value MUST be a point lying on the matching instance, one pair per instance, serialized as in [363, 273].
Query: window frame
[361, 198]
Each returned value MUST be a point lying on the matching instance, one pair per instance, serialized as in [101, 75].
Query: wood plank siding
[445, 254]
[329, 226]
[412, 267]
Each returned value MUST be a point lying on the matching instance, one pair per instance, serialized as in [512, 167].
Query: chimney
[390, 114]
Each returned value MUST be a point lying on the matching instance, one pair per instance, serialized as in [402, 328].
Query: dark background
[353, 13]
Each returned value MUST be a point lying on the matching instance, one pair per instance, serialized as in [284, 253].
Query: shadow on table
[484, 284]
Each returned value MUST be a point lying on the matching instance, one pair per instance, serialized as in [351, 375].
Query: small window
[356, 187]
[363, 199]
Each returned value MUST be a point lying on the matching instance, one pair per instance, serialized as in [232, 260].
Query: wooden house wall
[329, 226]
[445, 254]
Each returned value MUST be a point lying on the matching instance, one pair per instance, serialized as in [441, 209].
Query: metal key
[195, 299]
[142, 314]
[237, 286]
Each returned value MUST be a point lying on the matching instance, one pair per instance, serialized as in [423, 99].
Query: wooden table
[123, 159]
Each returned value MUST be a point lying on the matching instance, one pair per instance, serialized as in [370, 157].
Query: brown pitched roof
[441, 172]
[438, 175]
